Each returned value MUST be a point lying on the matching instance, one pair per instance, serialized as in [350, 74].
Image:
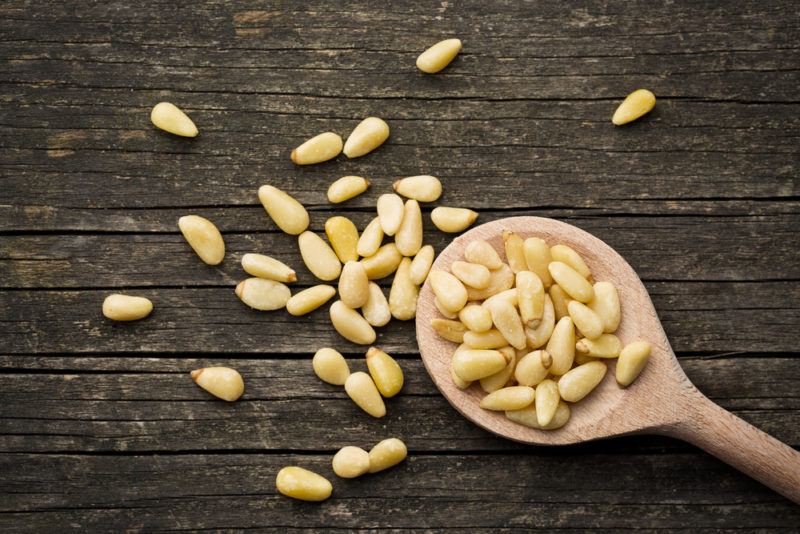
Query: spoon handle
[740, 444]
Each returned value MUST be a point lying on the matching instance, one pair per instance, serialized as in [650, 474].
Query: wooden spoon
[661, 401]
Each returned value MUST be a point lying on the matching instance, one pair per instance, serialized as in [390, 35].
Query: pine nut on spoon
[660, 401]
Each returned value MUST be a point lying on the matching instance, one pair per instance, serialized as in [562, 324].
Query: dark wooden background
[101, 427]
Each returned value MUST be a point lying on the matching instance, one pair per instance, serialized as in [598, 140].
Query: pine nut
[370, 133]
[474, 364]
[527, 416]
[423, 188]
[262, 266]
[285, 211]
[330, 366]
[547, 400]
[421, 264]
[346, 187]
[351, 325]
[320, 148]
[491, 339]
[203, 237]
[360, 387]
[472, 274]
[507, 321]
[382, 263]
[538, 336]
[438, 56]
[404, 293]
[376, 310]
[504, 377]
[460, 384]
[606, 304]
[385, 372]
[537, 257]
[409, 236]
[483, 253]
[354, 285]
[568, 255]
[632, 360]
[264, 295]
[580, 381]
[510, 398]
[560, 301]
[605, 346]
[390, 212]
[571, 281]
[476, 317]
[452, 220]
[302, 484]
[170, 118]
[371, 239]
[562, 346]
[586, 321]
[351, 462]
[386, 454]
[636, 104]
[449, 290]
[580, 359]
[502, 280]
[320, 259]
[530, 297]
[309, 299]
[450, 330]
[509, 295]
[443, 311]
[119, 307]
[222, 382]
[533, 368]
[514, 251]
[343, 237]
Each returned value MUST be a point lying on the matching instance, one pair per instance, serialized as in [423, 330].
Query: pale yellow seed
[449, 290]
[404, 293]
[586, 321]
[360, 387]
[472, 274]
[527, 417]
[547, 399]
[537, 258]
[538, 336]
[302, 484]
[570, 256]
[350, 324]
[350, 462]
[371, 239]
[347, 187]
[409, 236]
[262, 266]
[370, 133]
[474, 364]
[453, 220]
[382, 263]
[507, 321]
[483, 253]
[580, 381]
[530, 298]
[632, 360]
[533, 368]
[514, 251]
[580, 359]
[605, 303]
[309, 299]
[285, 211]
[385, 372]
[264, 295]
[423, 188]
[501, 378]
[571, 281]
[438, 56]
[390, 212]
[354, 285]
[222, 382]
[502, 279]
[636, 104]
[170, 118]
[320, 148]
[119, 307]
[376, 310]
[491, 339]
[343, 237]
[605, 346]
[448, 329]
[386, 454]
[560, 301]
[510, 398]
[320, 258]
[330, 366]
[421, 264]
[459, 383]
[476, 317]
[444, 311]
[562, 346]
[203, 237]
[509, 295]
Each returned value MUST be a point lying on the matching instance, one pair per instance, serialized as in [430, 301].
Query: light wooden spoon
[661, 401]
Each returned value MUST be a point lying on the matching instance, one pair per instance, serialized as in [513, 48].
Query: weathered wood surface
[100, 428]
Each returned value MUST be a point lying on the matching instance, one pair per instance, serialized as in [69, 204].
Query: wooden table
[101, 427]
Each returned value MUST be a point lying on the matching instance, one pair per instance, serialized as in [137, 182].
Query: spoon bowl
[662, 400]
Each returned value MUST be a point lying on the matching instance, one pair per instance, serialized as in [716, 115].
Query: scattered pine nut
[515, 252]
[421, 264]
[605, 303]
[453, 220]
[309, 299]
[449, 290]
[409, 236]
[580, 381]
[390, 212]
[222, 382]
[320, 148]
[530, 297]
[119, 307]
[170, 118]
[382, 263]
[343, 237]
[501, 378]
[547, 399]
[605, 346]
[537, 257]
[424, 188]
[362, 390]
[371, 239]
[404, 293]
[346, 187]
[632, 360]
[571, 281]
[376, 310]
[385, 372]
[264, 295]
[354, 285]
[510, 398]
[533, 368]
[351, 325]
[302, 484]
[635, 105]
[285, 211]
[438, 56]
[474, 364]
[320, 259]
[203, 237]
[350, 462]
[561, 346]
[507, 321]
[482, 252]
[386, 454]
[471, 274]
[586, 321]
[330, 366]
[262, 266]
[370, 133]
[570, 256]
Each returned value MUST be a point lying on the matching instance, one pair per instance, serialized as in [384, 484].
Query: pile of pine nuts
[534, 331]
